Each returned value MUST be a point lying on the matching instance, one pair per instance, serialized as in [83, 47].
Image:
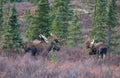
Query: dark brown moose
[95, 48]
[41, 46]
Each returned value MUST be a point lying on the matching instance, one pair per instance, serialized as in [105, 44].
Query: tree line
[61, 19]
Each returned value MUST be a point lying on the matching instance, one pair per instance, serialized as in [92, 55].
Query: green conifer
[12, 40]
[75, 34]
[113, 37]
[1, 18]
[98, 30]
[62, 12]
[41, 21]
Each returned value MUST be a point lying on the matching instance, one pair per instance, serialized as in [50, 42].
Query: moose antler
[43, 37]
[93, 42]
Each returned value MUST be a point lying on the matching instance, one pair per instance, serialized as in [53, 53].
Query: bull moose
[41, 46]
[95, 48]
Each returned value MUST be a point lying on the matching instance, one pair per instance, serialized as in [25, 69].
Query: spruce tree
[12, 40]
[1, 17]
[98, 30]
[33, 1]
[42, 17]
[41, 21]
[28, 24]
[56, 24]
[113, 38]
[6, 15]
[16, 0]
[75, 34]
[61, 11]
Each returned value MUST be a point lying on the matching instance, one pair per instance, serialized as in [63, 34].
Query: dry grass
[72, 63]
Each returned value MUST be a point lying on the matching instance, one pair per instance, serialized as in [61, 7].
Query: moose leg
[104, 56]
[33, 53]
[99, 53]
[33, 50]
[104, 52]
